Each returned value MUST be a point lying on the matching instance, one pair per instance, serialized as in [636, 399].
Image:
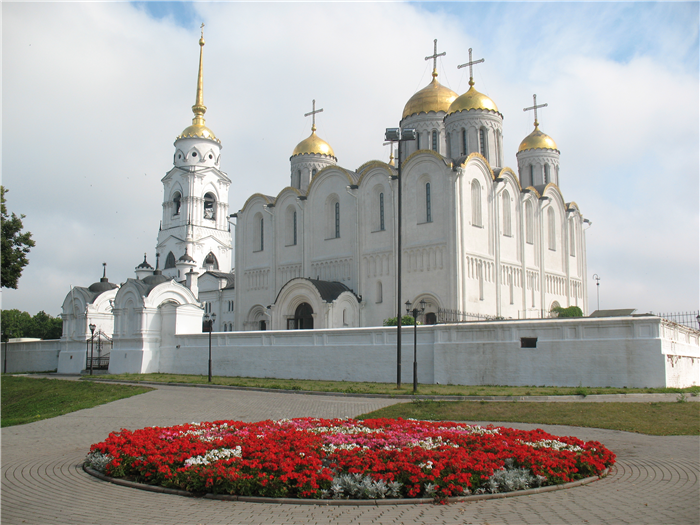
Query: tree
[571, 311]
[20, 324]
[15, 246]
[406, 320]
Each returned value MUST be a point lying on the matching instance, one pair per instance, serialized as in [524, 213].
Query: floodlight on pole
[399, 135]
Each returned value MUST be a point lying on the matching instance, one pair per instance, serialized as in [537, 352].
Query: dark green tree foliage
[20, 324]
[571, 311]
[406, 320]
[15, 246]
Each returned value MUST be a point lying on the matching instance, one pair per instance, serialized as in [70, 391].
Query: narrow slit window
[428, 207]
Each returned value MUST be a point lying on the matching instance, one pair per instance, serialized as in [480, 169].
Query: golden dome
[433, 97]
[313, 145]
[537, 140]
[198, 131]
[472, 99]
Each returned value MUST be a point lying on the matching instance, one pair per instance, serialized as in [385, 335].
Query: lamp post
[2, 336]
[597, 283]
[398, 135]
[92, 344]
[210, 327]
[416, 311]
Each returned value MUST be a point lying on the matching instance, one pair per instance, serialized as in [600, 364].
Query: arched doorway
[303, 317]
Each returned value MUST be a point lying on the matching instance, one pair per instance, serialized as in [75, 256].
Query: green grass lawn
[659, 419]
[26, 399]
[354, 387]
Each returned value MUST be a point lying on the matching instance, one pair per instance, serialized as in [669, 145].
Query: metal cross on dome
[534, 108]
[202, 29]
[470, 64]
[435, 55]
[313, 114]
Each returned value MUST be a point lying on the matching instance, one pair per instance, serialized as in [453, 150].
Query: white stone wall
[616, 352]
[32, 356]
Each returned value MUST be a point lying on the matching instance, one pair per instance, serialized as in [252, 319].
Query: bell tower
[195, 197]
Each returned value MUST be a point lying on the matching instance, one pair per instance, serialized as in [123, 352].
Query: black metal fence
[689, 319]
[99, 346]
[445, 315]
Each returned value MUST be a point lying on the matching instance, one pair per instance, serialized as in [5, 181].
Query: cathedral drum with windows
[479, 240]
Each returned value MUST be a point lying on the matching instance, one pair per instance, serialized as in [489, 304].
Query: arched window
[532, 175]
[551, 227]
[476, 203]
[313, 172]
[507, 231]
[418, 140]
[435, 140]
[546, 174]
[428, 208]
[381, 212]
[297, 182]
[211, 263]
[294, 227]
[209, 206]
[170, 261]
[176, 203]
[337, 220]
[529, 223]
[380, 292]
[464, 142]
[572, 239]
[262, 234]
[258, 238]
[291, 226]
[482, 143]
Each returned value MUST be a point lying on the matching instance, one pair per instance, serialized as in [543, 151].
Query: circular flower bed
[346, 458]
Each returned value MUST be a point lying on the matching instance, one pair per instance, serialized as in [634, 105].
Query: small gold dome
[433, 97]
[537, 140]
[198, 131]
[472, 99]
[313, 145]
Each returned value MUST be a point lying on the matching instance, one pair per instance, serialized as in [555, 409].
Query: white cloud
[94, 94]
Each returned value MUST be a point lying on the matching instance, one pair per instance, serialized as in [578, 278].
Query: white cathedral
[479, 240]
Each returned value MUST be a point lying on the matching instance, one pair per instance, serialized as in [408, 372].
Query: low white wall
[617, 352]
[31, 356]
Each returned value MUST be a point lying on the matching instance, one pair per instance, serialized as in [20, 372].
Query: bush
[571, 311]
[406, 320]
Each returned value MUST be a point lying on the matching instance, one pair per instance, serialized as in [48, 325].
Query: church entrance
[303, 318]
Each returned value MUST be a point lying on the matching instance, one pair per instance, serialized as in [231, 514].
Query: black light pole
[210, 329]
[415, 312]
[399, 135]
[597, 280]
[92, 344]
[2, 336]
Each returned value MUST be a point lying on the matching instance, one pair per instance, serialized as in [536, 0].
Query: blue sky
[95, 93]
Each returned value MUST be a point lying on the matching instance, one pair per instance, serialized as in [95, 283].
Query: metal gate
[99, 346]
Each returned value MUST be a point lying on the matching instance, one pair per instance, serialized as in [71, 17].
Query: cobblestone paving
[654, 482]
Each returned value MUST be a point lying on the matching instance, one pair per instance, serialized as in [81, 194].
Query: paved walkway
[655, 480]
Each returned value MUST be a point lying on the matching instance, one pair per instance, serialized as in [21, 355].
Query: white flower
[214, 455]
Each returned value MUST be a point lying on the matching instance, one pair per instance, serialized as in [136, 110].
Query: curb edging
[339, 502]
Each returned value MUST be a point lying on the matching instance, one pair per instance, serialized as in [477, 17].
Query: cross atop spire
[434, 57]
[313, 114]
[534, 108]
[470, 64]
[202, 29]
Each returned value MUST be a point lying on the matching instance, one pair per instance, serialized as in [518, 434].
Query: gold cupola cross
[313, 114]
[470, 64]
[434, 57]
[534, 108]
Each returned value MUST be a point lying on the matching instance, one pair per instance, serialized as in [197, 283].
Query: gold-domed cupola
[538, 155]
[310, 156]
[434, 97]
[313, 145]
[474, 124]
[537, 140]
[198, 129]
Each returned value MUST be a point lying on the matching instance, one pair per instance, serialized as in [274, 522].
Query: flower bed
[346, 458]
